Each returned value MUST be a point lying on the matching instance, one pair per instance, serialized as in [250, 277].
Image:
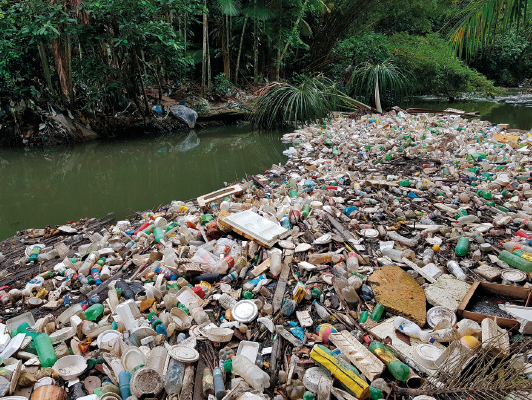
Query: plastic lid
[245, 311]
[184, 354]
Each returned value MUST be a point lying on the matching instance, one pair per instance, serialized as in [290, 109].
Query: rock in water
[185, 114]
[399, 293]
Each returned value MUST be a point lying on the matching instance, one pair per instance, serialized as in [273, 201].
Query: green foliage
[221, 85]
[509, 60]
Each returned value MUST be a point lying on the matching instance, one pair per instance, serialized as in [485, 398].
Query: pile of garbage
[390, 255]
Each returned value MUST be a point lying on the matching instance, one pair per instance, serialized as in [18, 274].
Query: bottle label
[230, 261]
[527, 256]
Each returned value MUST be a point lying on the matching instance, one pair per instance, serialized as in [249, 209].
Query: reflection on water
[51, 186]
[514, 107]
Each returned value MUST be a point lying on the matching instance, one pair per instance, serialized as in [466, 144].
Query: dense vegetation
[99, 56]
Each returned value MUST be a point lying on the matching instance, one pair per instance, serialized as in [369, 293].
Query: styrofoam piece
[15, 322]
[63, 334]
[70, 367]
[248, 349]
[253, 226]
[107, 336]
[133, 358]
[70, 311]
[12, 346]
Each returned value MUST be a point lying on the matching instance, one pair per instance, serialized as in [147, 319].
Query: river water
[51, 186]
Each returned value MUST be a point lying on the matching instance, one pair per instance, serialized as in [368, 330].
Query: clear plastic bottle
[199, 315]
[222, 266]
[322, 312]
[352, 263]
[455, 269]
[322, 258]
[428, 256]
[208, 382]
[252, 374]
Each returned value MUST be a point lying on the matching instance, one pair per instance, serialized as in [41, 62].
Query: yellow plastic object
[470, 342]
[347, 377]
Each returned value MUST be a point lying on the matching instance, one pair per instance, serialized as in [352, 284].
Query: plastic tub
[133, 358]
[146, 382]
[248, 350]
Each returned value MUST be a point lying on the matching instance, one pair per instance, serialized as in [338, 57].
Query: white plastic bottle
[105, 273]
[411, 329]
[85, 269]
[275, 263]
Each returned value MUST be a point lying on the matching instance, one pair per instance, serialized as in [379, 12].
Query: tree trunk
[255, 50]
[204, 59]
[225, 49]
[45, 65]
[139, 72]
[277, 48]
[209, 71]
[294, 29]
[240, 50]
[68, 55]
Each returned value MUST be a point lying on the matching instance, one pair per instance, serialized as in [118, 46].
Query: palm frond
[281, 104]
[386, 76]
[475, 23]
[261, 13]
[229, 7]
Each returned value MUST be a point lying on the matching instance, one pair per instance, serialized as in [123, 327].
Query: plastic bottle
[86, 267]
[428, 256]
[352, 263]
[93, 312]
[219, 389]
[252, 283]
[208, 382]
[462, 246]
[222, 266]
[45, 350]
[322, 258]
[322, 312]
[199, 315]
[35, 283]
[455, 269]
[338, 271]
[403, 240]
[252, 374]
[275, 262]
[398, 369]
[377, 312]
[411, 329]
[515, 261]
[124, 377]
[96, 275]
[34, 255]
[305, 211]
[105, 273]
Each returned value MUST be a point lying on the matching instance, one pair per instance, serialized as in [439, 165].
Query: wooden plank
[281, 286]
[198, 393]
[188, 379]
[359, 355]
[259, 269]
[218, 195]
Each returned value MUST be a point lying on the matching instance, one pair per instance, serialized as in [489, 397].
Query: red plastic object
[142, 227]
[523, 234]
[198, 290]
[332, 187]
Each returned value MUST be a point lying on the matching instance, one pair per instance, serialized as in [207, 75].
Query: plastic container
[93, 312]
[199, 315]
[322, 312]
[157, 359]
[207, 383]
[252, 374]
[398, 369]
[124, 377]
[45, 350]
[377, 312]
[219, 389]
[515, 261]
[455, 269]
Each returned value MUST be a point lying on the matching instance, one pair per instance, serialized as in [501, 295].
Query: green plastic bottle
[363, 317]
[462, 246]
[305, 211]
[484, 194]
[34, 253]
[404, 182]
[516, 261]
[93, 312]
[171, 226]
[377, 312]
[159, 234]
[315, 292]
[375, 393]
[293, 193]
[45, 350]
[308, 396]
[397, 368]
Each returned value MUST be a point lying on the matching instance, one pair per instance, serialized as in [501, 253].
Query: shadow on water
[51, 186]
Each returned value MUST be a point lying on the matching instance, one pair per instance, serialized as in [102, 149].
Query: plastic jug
[45, 350]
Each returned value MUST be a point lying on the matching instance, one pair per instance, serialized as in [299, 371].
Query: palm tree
[476, 21]
[369, 79]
